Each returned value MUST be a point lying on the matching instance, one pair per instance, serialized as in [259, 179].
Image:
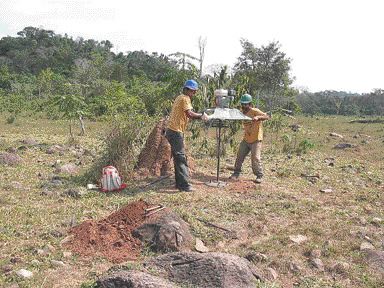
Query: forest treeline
[65, 77]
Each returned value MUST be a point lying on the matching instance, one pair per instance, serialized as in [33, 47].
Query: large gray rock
[167, 232]
[132, 279]
[205, 270]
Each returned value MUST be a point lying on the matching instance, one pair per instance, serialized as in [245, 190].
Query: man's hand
[204, 117]
[255, 119]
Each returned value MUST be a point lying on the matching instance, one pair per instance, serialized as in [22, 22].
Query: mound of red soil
[155, 158]
[110, 237]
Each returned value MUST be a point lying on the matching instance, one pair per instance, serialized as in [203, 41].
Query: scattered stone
[6, 269]
[366, 246]
[56, 233]
[49, 192]
[50, 248]
[29, 141]
[368, 239]
[343, 146]
[298, 239]
[326, 190]
[315, 253]
[295, 127]
[271, 274]
[23, 273]
[206, 270]
[55, 149]
[317, 263]
[134, 279]
[377, 221]
[340, 267]
[200, 247]
[35, 262]
[12, 150]
[333, 134]
[75, 192]
[295, 267]
[67, 239]
[91, 153]
[67, 254]
[256, 257]
[375, 259]
[15, 259]
[10, 159]
[67, 169]
[57, 263]
[41, 252]
[363, 221]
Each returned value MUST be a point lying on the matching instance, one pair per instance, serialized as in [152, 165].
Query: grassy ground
[34, 220]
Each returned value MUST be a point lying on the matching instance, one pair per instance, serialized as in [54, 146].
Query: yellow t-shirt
[178, 120]
[253, 131]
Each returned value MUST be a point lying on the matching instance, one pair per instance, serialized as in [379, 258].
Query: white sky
[333, 44]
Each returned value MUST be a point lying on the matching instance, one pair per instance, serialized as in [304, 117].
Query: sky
[332, 44]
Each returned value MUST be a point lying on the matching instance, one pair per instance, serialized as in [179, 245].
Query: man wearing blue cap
[180, 114]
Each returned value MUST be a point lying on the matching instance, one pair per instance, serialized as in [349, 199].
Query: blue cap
[191, 84]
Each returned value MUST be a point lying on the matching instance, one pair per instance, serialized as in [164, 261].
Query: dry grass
[262, 216]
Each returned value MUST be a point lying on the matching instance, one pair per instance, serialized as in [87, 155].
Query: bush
[304, 146]
[123, 144]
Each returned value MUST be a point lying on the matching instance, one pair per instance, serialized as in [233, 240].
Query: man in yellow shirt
[253, 136]
[180, 114]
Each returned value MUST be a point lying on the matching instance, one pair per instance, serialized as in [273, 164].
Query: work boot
[234, 176]
[258, 180]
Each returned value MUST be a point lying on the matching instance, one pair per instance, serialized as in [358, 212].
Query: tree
[266, 71]
[45, 83]
[70, 107]
[13, 104]
[202, 44]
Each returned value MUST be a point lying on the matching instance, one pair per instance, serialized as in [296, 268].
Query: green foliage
[117, 101]
[304, 146]
[123, 143]
[150, 93]
[335, 102]
[13, 104]
[89, 284]
[71, 106]
[265, 71]
[38, 64]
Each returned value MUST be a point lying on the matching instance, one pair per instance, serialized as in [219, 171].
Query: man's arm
[193, 115]
[261, 117]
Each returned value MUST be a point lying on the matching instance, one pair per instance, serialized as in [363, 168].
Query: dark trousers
[176, 140]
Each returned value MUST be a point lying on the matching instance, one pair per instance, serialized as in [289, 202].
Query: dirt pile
[110, 237]
[155, 158]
